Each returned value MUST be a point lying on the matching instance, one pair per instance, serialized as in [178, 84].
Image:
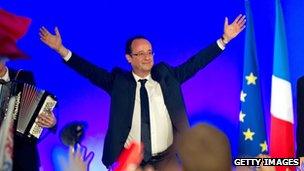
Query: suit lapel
[159, 76]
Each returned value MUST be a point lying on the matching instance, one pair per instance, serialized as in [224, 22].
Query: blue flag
[252, 132]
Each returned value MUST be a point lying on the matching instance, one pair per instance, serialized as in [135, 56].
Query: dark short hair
[130, 41]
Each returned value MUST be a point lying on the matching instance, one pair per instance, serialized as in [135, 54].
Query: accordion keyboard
[47, 107]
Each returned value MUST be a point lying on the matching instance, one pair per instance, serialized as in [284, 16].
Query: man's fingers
[237, 18]
[44, 34]
[45, 121]
[44, 31]
[226, 22]
[242, 28]
[42, 124]
[46, 118]
[43, 38]
[242, 23]
[41, 35]
[57, 32]
[241, 19]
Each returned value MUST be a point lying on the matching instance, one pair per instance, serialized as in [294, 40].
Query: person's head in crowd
[204, 148]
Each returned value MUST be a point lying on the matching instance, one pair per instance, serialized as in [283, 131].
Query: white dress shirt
[160, 122]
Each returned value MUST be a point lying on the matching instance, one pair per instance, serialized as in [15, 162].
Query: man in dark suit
[25, 156]
[146, 104]
[300, 119]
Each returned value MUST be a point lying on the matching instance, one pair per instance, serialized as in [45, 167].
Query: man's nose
[147, 57]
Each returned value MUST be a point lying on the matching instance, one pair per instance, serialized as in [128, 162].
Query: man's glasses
[143, 54]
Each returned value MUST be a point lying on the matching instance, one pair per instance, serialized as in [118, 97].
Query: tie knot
[142, 82]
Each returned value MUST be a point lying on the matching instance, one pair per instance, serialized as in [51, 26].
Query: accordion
[29, 103]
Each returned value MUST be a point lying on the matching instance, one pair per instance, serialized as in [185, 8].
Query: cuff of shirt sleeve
[220, 44]
[68, 56]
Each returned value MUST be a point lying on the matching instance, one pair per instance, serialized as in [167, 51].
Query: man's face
[141, 57]
[2, 64]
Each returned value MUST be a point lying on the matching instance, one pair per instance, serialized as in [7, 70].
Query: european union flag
[252, 133]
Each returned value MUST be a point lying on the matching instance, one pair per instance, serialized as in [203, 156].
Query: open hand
[233, 29]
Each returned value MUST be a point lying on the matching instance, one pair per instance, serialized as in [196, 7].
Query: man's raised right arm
[97, 75]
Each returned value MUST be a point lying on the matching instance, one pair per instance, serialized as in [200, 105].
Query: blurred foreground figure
[204, 148]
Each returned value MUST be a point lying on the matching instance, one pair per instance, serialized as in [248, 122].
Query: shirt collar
[136, 77]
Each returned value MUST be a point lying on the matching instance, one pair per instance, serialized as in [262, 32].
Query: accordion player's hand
[47, 120]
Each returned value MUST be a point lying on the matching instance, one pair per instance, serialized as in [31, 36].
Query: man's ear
[129, 58]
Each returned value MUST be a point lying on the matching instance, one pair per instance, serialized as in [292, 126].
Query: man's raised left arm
[186, 70]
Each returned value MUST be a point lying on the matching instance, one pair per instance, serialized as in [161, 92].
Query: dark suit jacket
[121, 85]
[25, 152]
[300, 117]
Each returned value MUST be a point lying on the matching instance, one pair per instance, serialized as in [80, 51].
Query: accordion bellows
[29, 103]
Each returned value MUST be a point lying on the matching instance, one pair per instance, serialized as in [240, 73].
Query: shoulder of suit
[300, 81]
[24, 72]
[162, 66]
[18, 70]
[119, 71]
[13, 72]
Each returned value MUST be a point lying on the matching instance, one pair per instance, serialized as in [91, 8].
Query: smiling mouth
[147, 63]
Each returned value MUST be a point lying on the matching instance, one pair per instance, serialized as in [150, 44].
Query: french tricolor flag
[282, 129]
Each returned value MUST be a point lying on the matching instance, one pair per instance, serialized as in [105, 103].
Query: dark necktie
[145, 120]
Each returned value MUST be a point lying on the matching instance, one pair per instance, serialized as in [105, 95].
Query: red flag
[12, 28]
[12, 25]
[129, 157]
[9, 49]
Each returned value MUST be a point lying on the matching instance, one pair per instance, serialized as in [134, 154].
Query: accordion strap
[17, 74]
